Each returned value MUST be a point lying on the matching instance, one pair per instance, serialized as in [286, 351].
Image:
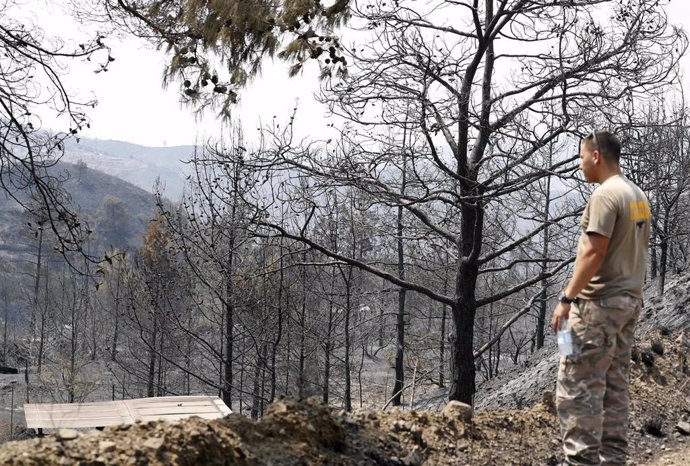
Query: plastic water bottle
[565, 340]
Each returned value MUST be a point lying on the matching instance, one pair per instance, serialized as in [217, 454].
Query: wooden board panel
[108, 413]
[207, 408]
[75, 415]
[157, 408]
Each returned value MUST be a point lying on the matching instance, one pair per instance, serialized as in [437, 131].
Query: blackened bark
[400, 337]
[327, 356]
[256, 393]
[444, 315]
[652, 256]
[35, 309]
[541, 318]
[442, 356]
[348, 311]
[116, 330]
[229, 338]
[242, 368]
[279, 334]
[302, 331]
[399, 353]
[471, 222]
[4, 329]
[464, 310]
[230, 296]
[152, 359]
[663, 259]
[274, 352]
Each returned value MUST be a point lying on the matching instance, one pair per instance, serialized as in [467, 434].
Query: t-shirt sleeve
[602, 215]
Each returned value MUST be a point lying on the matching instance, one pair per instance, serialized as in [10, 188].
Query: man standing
[602, 302]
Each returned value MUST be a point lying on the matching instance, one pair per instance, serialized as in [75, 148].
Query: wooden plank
[48, 415]
[74, 423]
[100, 413]
[170, 399]
[77, 410]
[206, 405]
[83, 409]
[74, 415]
[209, 407]
[171, 402]
[154, 408]
[177, 417]
[192, 403]
[53, 416]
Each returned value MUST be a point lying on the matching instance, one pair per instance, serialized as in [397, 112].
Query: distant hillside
[124, 225]
[88, 186]
[139, 165]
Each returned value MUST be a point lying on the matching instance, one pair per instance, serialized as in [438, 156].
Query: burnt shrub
[654, 427]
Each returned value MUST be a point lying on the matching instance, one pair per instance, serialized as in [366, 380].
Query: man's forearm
[588, 264]
[586, 267]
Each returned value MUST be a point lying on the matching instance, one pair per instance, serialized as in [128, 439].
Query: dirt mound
[300, 433]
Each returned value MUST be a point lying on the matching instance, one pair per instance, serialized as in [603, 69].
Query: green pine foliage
[217, 46]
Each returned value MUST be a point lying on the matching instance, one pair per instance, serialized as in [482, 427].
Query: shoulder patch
[639, 211]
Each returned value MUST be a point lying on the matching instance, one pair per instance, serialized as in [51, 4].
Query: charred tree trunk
[288, 347]
[229, 339]
[235, 225]
[402, 292]
[6, 309]
[328, 345]
[243, 351]
[35, 310]
[73, 343]
[348, 310]
[327, 357]
[471, 223]
[399, 353]
[442, 351]
[256, 394]
[663, 259]
[152, 359]
[279, 335]
[382, 315]
[302, 331]
[37, 280]
[464, 310]
[541, 318]
[229, 298]
[116, 329]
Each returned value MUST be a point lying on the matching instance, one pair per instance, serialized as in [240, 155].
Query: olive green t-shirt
[620, 211]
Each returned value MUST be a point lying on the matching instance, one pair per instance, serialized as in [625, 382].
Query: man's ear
[596, 156]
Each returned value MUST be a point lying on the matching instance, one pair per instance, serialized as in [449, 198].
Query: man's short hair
[607, 143]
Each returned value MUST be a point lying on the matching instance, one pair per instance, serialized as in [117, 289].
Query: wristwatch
[565, 299]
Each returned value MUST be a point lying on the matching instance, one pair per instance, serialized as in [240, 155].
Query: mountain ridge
[88, 189]
[140, 165]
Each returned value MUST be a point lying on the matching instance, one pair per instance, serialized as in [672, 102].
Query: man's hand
[561, 313]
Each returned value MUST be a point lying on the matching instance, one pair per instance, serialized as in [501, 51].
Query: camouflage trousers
[592, 389]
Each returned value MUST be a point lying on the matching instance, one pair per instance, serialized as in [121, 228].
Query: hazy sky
[133, 106]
